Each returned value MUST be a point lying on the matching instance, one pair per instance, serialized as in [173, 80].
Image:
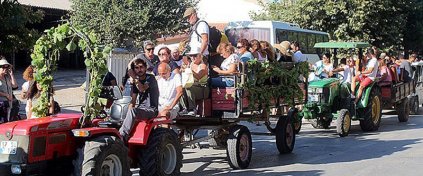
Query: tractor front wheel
[343, 123]
[285, 135]
[104, 155]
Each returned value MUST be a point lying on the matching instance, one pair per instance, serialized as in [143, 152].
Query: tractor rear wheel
[372, 114]
[239, 149]
[162, 155]
[343, 123]
[403, 110]
[104, 155]
[285, 135]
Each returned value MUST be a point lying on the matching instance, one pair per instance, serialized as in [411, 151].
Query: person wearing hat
[176, 56]
[7, 84]
[199, 90]
[284, 54]
[199, 31]
[366, 77]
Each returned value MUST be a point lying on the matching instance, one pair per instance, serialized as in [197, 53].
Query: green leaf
[71, 46]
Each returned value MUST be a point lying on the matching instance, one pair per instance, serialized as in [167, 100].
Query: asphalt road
[396, 149]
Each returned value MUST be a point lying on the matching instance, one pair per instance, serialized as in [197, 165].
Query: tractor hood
[323, 83]
[57, 122]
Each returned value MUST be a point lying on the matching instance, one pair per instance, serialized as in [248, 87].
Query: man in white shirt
[170, 91]
[367, 76]
[298, 55]
[199, 32]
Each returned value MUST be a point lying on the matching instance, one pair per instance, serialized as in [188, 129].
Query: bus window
[281, 35]
[302, 39]
[292, 36]
[247, 33]
[311, 41]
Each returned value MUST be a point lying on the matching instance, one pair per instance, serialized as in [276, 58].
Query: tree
[14, 18]
[120, 21]
[381, 22]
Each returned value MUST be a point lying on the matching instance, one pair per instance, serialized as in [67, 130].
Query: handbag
[187, 78]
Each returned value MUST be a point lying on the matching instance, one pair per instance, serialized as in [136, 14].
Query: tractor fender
[144, 127]
[366, 94]
[95, 131]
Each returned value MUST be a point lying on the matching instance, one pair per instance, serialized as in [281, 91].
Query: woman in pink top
[385, 73]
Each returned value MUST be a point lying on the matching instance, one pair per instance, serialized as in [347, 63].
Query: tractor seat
[111, 123]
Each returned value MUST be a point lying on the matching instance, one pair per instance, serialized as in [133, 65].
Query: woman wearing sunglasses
[7, 84]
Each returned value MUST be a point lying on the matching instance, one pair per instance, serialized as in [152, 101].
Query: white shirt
[298, 57]
[347, 74]
[195, 42]
[326, 68]
[372, 63]
[167, 89]
[232, 59]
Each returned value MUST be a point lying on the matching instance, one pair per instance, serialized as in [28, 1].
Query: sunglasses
[5, 66]
[139, 67]
[239, 47]
[163, 54]
[149, 49]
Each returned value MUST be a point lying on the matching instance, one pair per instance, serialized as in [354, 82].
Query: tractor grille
[21, 155]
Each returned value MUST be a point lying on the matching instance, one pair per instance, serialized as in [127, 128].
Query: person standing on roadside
[7, 84]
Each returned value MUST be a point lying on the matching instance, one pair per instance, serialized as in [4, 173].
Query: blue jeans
[222, 82]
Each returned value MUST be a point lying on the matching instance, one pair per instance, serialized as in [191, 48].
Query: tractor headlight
[16, 169]
[315, 90]
[319, 90]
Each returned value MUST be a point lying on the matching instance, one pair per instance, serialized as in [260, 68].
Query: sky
[217, 11]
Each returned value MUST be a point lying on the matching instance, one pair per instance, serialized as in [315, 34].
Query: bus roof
[341, 45]
[269, 24]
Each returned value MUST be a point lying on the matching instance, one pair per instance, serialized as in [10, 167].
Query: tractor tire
[293, 114]
[285, 135]
[218, 142]
[372, 114]
[414, 105]
[343, 123]
[320, 123]
[103, 155]
[403, 110]
[239, 149]
[162, 155]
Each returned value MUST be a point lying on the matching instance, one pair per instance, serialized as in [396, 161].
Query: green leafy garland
[45, 56]
[270, 80]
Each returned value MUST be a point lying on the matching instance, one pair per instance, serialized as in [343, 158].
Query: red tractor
[56, 145]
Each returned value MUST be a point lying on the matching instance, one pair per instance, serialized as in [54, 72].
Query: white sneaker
[352, 96]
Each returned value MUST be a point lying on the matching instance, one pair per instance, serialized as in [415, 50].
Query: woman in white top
[228, 66]
[327, 66]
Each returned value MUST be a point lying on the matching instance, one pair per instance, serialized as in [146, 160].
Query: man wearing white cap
[176, 56]
[7, 84]
[199, 32]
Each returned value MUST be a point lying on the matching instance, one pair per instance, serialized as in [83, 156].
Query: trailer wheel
[104, 155]
[414, 105]
[285, 135]
[239, 149]
[372, 114]
[293, 114]
[343, 123]
[162, 155]
[403, 110]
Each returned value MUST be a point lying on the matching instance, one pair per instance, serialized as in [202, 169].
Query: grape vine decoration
[268, 81]
[46, 54]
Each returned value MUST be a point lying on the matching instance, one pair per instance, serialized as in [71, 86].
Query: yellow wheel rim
[375, 109]
[347, 122]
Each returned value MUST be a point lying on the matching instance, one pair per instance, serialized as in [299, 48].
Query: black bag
[57, 108]
[107, 92]
[214, 36]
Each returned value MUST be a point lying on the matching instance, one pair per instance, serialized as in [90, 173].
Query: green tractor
[330, 99]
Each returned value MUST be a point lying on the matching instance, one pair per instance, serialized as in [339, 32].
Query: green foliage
[122, 20]
[45, 57]
[14, 34]
[269, 81]
[381, 22]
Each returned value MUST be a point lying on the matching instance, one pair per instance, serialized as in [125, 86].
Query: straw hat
[189, 12]
[194, 51]
[283, 47]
